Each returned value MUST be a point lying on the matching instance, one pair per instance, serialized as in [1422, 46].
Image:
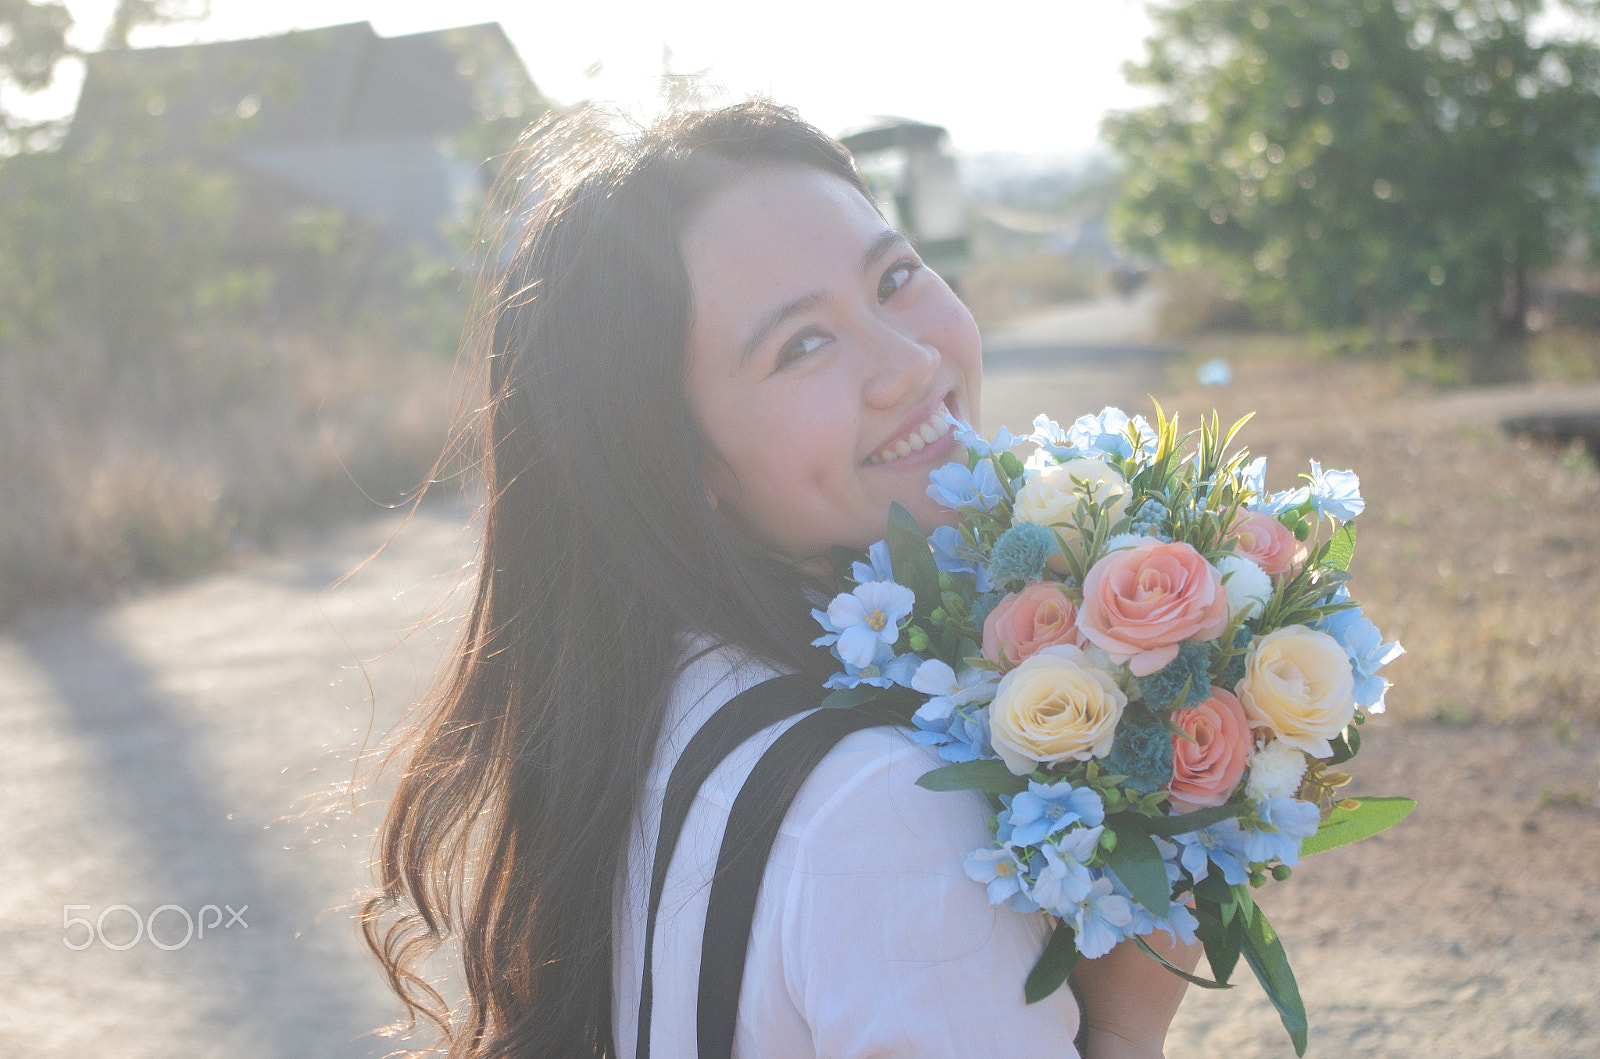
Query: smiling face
[822, 357]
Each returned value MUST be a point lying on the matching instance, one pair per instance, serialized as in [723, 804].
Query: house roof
[310, 86]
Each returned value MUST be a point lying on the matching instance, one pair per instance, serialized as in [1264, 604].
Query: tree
[1360, 161]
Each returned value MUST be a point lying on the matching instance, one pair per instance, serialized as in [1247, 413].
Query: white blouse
[868, 938]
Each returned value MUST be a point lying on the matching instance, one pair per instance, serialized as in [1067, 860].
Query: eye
[804, 343]
[898, 276]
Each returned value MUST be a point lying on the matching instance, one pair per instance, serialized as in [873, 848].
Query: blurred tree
[129, 15]
[33, 41]
[1365, 161]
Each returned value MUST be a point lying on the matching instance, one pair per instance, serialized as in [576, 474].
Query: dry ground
[160, 747]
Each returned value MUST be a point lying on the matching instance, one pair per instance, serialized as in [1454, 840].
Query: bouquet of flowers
[1150, 664]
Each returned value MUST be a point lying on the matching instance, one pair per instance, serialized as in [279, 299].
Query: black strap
[753, 824]
[740, 718]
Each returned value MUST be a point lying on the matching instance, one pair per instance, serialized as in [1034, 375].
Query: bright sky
[1033, 76]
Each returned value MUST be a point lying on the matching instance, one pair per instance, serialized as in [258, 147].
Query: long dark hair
[601, 552]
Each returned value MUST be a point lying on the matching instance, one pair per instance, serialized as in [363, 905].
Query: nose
[899, 365]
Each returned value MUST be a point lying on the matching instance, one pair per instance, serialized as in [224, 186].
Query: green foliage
[1055, 965]
[988, 775]
[1356, 820]
[1362, 161]
[1264, 952]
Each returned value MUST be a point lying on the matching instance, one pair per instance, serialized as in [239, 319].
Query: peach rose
[1140, 603]
[1055, 706]
[1206, 770]
[1298, 682]
[1272, 545]
[1041, 615]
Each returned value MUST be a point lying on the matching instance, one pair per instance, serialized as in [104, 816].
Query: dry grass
[1478, 551]
[114, 472]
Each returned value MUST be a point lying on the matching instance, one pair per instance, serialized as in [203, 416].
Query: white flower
[1118, 541]
[1275, 772]
[1248, 586]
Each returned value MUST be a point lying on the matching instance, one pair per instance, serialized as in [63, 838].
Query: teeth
[935, 428]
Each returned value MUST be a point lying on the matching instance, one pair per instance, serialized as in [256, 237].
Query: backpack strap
[740, 718]
[753, 825]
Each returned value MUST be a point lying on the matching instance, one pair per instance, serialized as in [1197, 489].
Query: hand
[1131, 999]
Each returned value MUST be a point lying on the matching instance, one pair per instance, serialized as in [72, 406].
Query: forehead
[774, 234]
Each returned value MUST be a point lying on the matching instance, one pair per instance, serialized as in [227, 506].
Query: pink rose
[1140, 603]
[1206, 771]
[1268, 542]
[1041, 615]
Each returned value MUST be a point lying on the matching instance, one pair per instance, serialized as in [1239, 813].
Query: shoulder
[887, 946]
[709, 675]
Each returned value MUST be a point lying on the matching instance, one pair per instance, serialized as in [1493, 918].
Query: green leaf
[844, 698]
[1346, 746]
[1167, 826]
[988, 776]
[1264, 953]
[1203, 983]
[1345, 826]
[1341, 547]
[1055, 964]
[912, 559]
[1213, 890]
[1138, 864]
[842, 559]
[1222, 940]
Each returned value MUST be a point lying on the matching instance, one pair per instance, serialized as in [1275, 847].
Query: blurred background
[237, 242]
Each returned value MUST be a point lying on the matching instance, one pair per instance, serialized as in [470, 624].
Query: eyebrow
[769, 323]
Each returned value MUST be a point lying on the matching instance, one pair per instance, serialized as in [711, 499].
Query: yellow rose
[1298, 682]
[1052, 498]
[1052, 707]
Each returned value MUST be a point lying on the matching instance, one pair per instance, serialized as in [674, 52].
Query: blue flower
[1044, 809]
[1222, 844]
[1291, 821]
[956, 486]
[1368, 653]
[952, 556]
[984, 605]
[1189, 672]
[1047, 432]
[950, 690]
[943, 721]
[1179, 923]
[1021, 552]
[1003, 874]
[1253, 478]
[1141, 750]
[1109, 432]
[1151, 515]
[976, 443]
[859, 620]
[876, 568]
[1064, 878]
[1336, 494]
[882, 670]
[1100, 919]
[962, 735]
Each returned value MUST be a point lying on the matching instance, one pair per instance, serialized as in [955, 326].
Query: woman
[708, 362]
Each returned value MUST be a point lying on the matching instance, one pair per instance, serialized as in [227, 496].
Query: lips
[923, 434]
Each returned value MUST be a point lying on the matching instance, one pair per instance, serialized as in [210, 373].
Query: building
[387, 130]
